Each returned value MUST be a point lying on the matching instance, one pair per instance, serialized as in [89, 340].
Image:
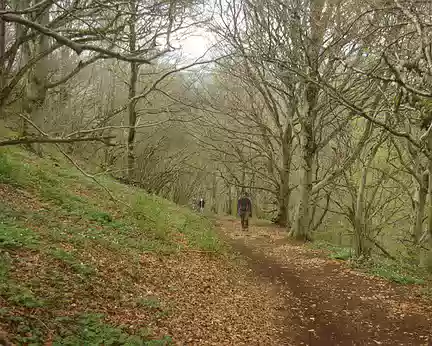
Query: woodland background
[320, 108]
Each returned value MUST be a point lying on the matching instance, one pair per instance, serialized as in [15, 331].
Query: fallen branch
[72, 161]
[92, 177]
[31, 140]
[380, 247]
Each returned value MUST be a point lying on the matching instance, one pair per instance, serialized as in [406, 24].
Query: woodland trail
[325, 302]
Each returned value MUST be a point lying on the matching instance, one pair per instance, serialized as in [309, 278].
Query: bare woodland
[322, 109]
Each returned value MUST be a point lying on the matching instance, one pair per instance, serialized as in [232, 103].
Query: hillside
[79, 268]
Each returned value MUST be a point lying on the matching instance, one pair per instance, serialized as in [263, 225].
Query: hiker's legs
[246, 221]
[242, 217]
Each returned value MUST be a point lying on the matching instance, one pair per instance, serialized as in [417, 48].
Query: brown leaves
[214, 305]
[278, 294]
[20, 200]
[328, 303]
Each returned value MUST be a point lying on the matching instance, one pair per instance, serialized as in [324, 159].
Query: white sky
[194, 45]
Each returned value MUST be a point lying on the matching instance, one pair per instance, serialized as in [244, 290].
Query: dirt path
[326, 303]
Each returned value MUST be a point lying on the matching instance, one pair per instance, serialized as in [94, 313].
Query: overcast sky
[194, 45]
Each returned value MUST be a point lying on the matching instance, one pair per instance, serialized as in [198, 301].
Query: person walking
[244, 209]
[201, 204]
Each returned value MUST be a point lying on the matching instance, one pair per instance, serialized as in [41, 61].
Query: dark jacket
[244, 204]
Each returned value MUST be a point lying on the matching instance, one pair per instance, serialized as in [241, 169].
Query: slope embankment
[78, 268]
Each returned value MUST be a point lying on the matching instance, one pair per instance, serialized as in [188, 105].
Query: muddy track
[325, 303]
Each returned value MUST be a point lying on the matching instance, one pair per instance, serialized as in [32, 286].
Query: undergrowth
[395, 271]
[91, 329]
[150, 217]
[60, 239]
[333, 251]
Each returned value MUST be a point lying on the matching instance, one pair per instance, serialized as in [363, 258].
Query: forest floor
[324, 302]
[77, 268]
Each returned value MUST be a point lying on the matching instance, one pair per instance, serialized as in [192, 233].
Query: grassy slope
[401, 272]
[71, 259]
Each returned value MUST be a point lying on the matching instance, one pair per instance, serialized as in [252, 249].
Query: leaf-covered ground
[327, 303]
[79, 269]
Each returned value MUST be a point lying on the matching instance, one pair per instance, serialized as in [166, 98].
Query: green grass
[15, 293]
[62, 244]
[6, 170]
[22, 296]
[261, 222]
[85, 329]
[333, 251]
[155, 217]
[398, 272]
[91, 329]
[394, 271]
[163, 219]
[69, 259]
[12, 171]
[149, 303]
[13, 237]
[5, 264]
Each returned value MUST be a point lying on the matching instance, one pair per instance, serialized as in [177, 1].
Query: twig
[76, 165]
[92, 177]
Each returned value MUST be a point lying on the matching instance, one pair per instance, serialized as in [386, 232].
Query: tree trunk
[64, 88]
[429, 259]
[419, 207]
[132, 121]
[2, 52]
[243, 179]
[362, 236]
[109, 157]
[214, 193]
[301, 223]
[36, 90]
[230, 200]
[283, 218]
[361, 243]
[134, 70]
[307, 114]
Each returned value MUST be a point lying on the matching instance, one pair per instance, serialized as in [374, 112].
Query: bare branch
[77, 47]
[31, 140]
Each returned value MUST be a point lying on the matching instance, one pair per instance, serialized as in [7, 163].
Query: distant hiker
[201, 204]
[244, 209]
